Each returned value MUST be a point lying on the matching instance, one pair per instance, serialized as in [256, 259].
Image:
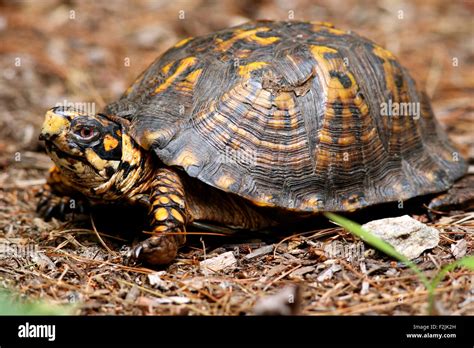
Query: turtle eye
[86, 132]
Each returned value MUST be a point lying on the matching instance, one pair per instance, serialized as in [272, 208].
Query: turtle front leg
[56, 199]
[168, 217]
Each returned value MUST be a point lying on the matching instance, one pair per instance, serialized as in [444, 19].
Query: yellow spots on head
[186, 159]
[225, 181]
[118, 132]
[94, 159]
[53, 123]
[177, 215]
[245, 70]
[183, 65]
[247, 35]
[178, 200]
[183, 42]
[110, 142]
[161, 214]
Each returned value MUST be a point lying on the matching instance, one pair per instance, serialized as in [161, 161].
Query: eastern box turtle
[266, 117]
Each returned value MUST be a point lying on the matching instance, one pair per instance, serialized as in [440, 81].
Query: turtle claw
[156, 250]
[51, 205]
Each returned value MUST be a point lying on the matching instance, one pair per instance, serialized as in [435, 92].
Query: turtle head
[86, 148]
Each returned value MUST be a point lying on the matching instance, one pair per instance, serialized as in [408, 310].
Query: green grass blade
[377, 243]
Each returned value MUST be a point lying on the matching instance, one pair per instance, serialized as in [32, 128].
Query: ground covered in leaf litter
[83, 60]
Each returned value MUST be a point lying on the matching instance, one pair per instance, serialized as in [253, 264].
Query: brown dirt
[49, 54]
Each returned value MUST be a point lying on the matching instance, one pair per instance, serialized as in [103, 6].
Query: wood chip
[216, 264]
[459, 249]
[267, 249]
[301, 271]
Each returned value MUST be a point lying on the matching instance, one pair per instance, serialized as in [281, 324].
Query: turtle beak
[55, 123]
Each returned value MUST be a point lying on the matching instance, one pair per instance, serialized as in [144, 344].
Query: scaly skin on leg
[55, 198]
[168, 217]
[459, 196]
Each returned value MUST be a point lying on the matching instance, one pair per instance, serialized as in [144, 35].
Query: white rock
[459, 249]
[408, 236]
[218, 263]
[155, 280]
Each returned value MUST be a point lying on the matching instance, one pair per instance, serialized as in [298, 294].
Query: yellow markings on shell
[264, 201]
[316, 24]
[186, 159]
[178, 200]
[284, 101]
[183, 42]
[118, 132]
[177, 215]
[336, 31]
[337, 90]
[225, 181]
[248, 35]
[367, 136]
[351, 206]
[149, 137]
[193, 75]
[53, 123]
[110, 142]
[188, 83]
[183, 65]
[322, 70]
[242, 53]
[95, 160]
[320, 50]
[166, 69]
[346, 140]
[312, 202]
[161, 214]
[245, 70]
[388, 69]
[137, 80]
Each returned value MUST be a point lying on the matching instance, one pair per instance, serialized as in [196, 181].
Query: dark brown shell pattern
[288, 114]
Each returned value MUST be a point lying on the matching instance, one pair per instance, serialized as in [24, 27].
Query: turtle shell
[291, 115]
